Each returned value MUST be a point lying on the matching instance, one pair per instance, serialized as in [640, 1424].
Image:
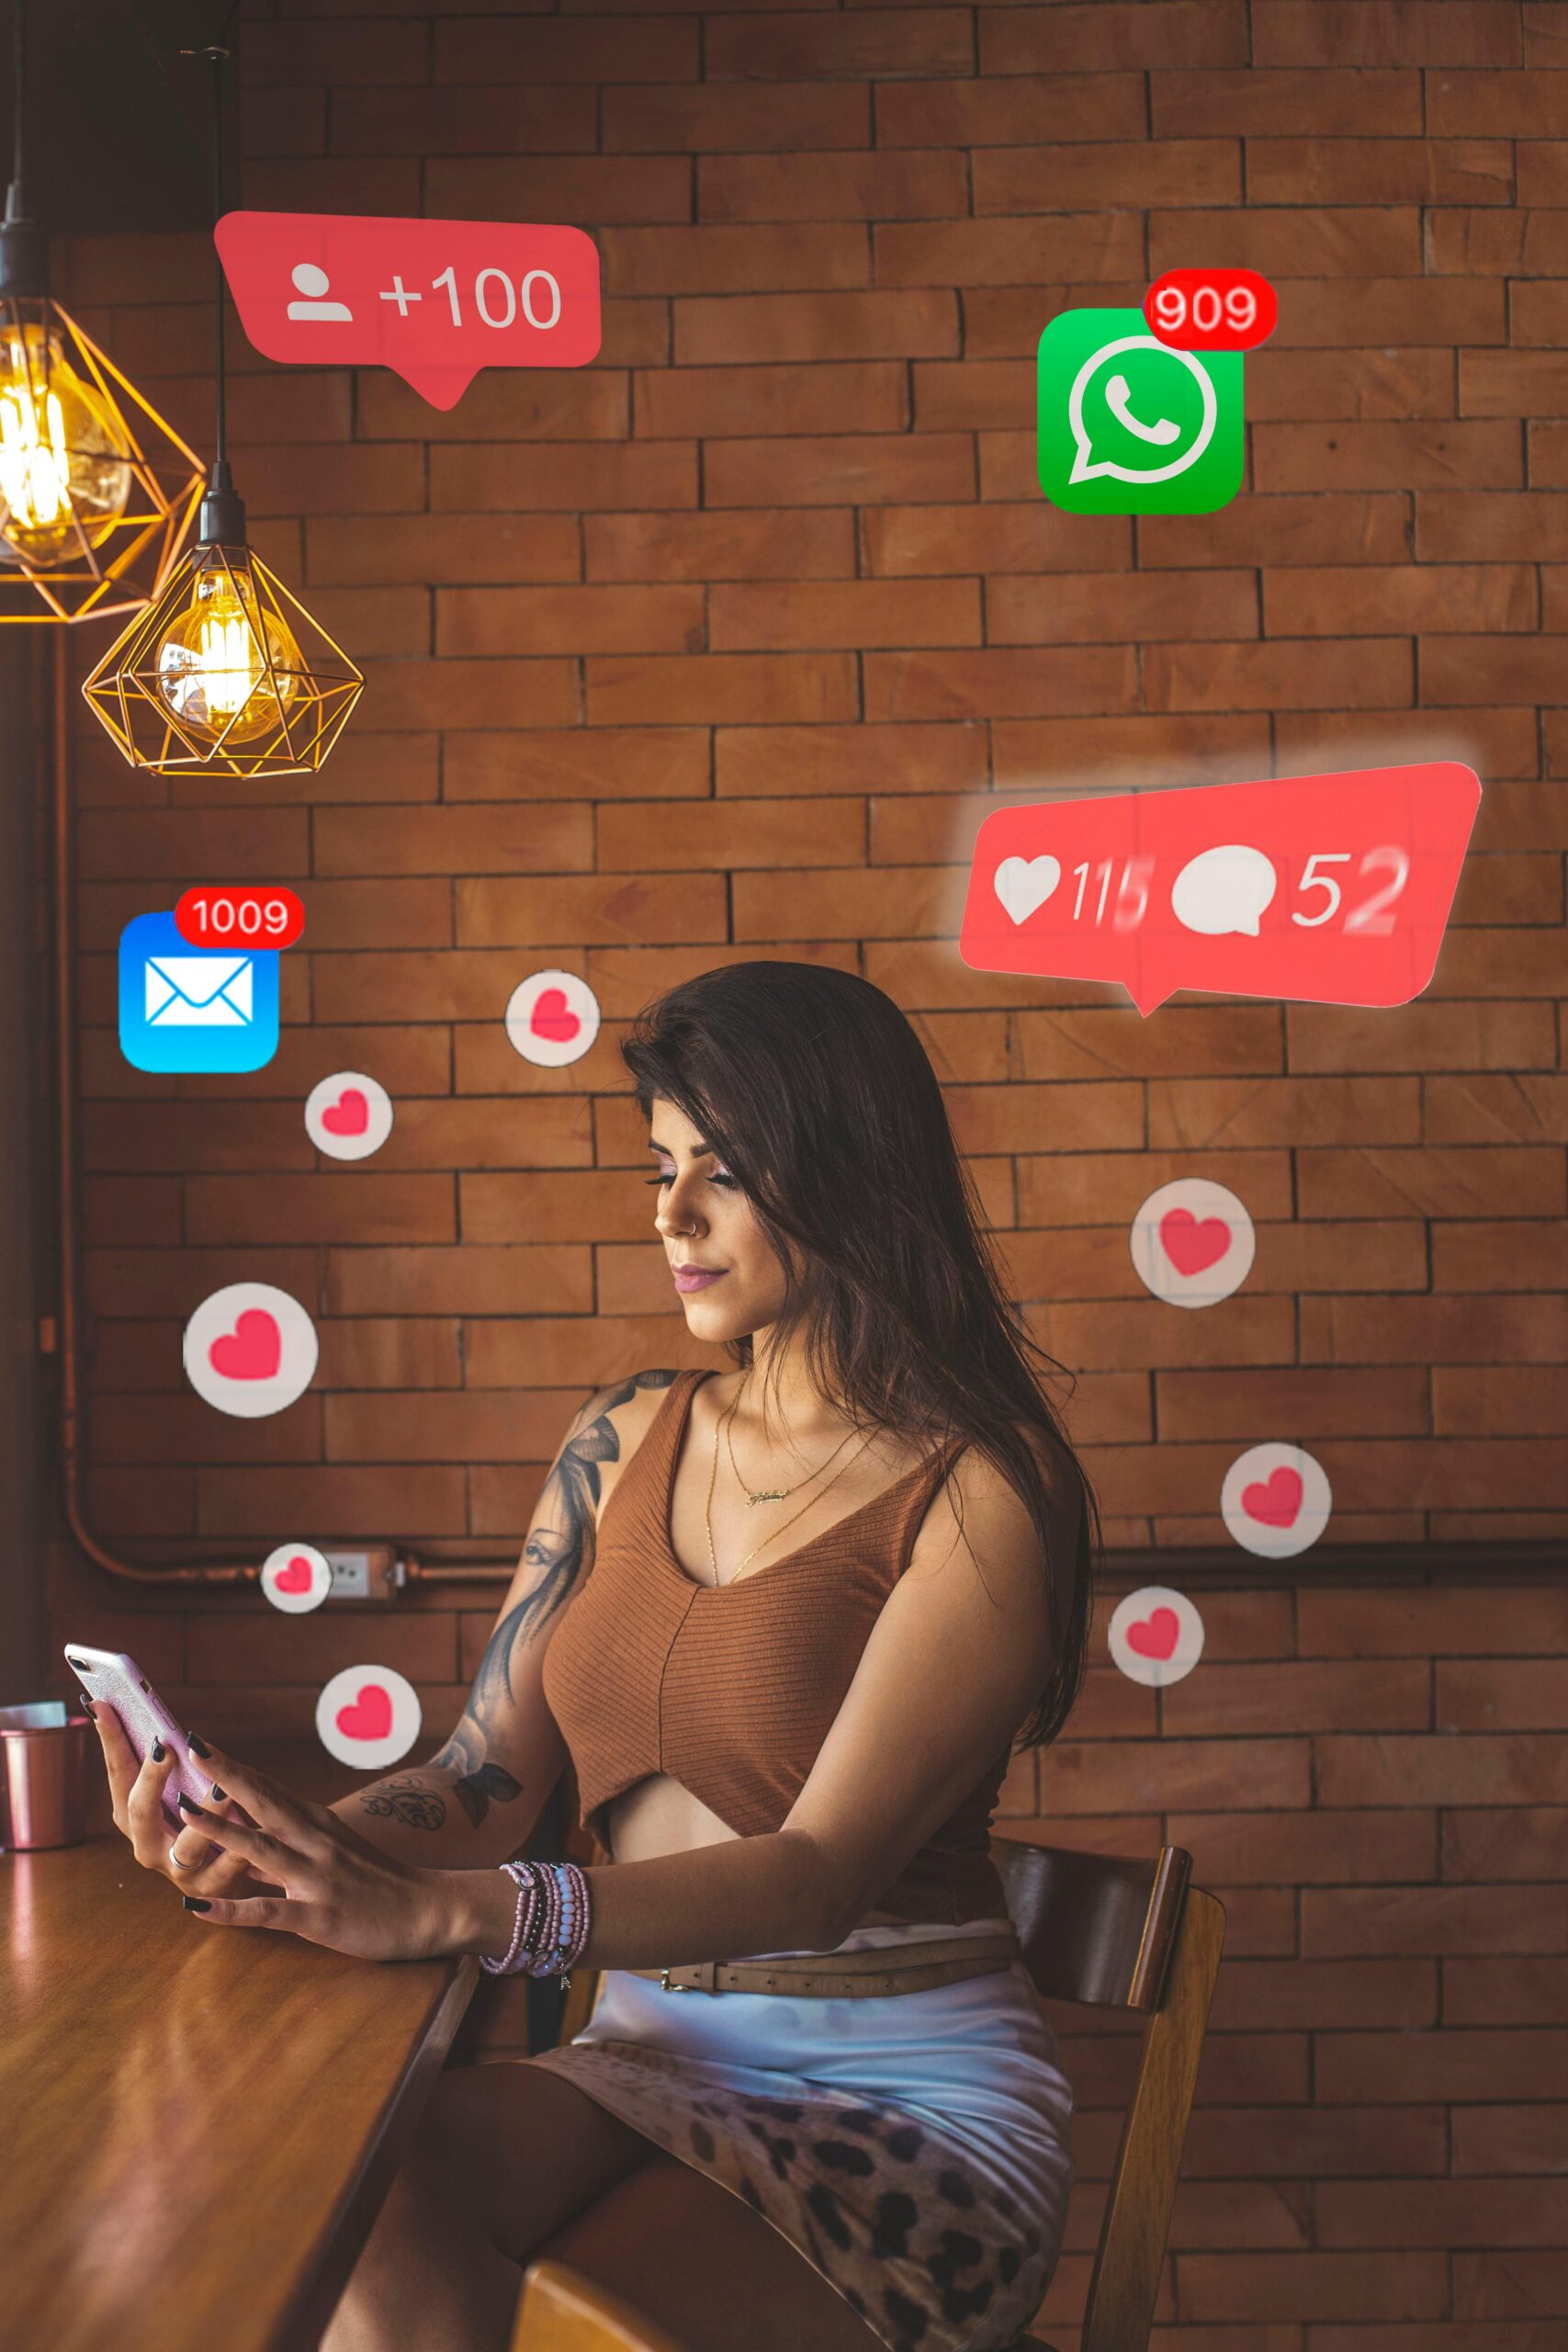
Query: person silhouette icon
[312, 281]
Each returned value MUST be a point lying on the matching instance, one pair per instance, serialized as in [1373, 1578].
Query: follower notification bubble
[433, 300]
[1334, 889]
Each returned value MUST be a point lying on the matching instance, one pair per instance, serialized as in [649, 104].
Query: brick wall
[716, 649]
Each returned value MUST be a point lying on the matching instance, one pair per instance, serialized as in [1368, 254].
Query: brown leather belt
[845, 1975]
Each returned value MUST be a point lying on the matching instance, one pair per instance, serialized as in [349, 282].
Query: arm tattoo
[559, 1545]
[407, 1799]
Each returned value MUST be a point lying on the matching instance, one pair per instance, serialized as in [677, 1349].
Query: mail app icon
[190, 1009]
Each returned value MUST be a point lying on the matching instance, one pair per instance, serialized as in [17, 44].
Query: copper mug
[43, 1785]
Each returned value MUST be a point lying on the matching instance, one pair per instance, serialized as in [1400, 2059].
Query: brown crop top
[731, 1691]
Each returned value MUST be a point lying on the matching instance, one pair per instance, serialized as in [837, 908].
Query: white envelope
[200, 992]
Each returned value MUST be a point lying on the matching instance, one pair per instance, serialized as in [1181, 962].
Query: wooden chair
[561, 2312]
[1097, 1931]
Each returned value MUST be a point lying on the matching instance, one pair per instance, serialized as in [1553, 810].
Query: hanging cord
[222, 513]
[16, 205]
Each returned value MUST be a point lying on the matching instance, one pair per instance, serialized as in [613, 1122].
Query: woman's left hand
[337, 1889]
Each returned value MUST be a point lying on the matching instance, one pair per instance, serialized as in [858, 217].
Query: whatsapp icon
[1127, 425]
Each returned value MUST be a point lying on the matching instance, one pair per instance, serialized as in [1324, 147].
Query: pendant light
[96, 491]
[226, 674]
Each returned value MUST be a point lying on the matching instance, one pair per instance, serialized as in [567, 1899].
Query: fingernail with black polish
[189, 1804]
[195, 1902]
[217, 1793]
[85, 1704]
[197, 1747]
[159, 1751]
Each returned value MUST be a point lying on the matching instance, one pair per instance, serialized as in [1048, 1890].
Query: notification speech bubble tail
[1147, 998]
[441, 387]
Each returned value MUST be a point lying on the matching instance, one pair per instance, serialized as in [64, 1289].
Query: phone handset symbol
[1116, 400]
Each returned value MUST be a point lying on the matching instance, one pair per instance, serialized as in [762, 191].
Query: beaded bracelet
[551, 1924]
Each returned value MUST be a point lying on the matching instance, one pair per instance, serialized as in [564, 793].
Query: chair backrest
[1128, 1935]
[561, 2312]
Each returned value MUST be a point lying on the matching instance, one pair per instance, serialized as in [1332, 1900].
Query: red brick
[719, 257]
[1527, 1991]
[703, 118]
[757, 760]
[880, 325]
[1485, 2065]
[336, 1501]
[603, 763]
[492, 49]
[537, 837]
[1513, 1694]
[1308, 1849]
[839, 470]
[1440, 598]
[869, 41]
[1359, 102]
[863, 396]
[1137, 173]
[442, 548]
[739, 688]
[1296, 674]
[1508, 105]
[1524, 2284]
[1423, 455]
[997, 683]
[845, 186]
[1383, 32]
[491, 120]
[527, 621]
[501, 404]
[1293, 242]
[1309, 1696]
[1008, 253]
[1009, 109]
[1505, 1768]
[743, 545]
[1508, 2139]
[1314, 2286]
[803, 615]
[1522, 1842]
[1339, 1922]
[797, 831]
[579, 908]
[373, 50]
[492, 477]
[576, 187]
[1188, 32]
[453, 694]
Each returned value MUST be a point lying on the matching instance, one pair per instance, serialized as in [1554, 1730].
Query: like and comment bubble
[1329, 889]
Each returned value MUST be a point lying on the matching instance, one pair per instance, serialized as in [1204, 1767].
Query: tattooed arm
[478, 1800]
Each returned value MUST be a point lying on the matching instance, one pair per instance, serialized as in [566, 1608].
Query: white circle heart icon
[552, 1018]
[348, 1117]
[1023, 884]
[1276, 1500]
[296, 1578]
[367, 1716]
[249, 1349]
[1156, 1636]
[1193, 1242]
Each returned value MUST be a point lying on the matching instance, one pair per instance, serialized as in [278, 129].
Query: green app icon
[1127, 425]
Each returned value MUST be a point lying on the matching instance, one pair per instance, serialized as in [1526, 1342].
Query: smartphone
[112, 1676]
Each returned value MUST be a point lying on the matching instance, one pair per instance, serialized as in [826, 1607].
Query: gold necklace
[773, 1494]
[806, 1506]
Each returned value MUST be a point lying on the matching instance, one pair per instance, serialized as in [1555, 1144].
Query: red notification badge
[1212, 310]
[240, 916]
[1332, 890]
[433, 300]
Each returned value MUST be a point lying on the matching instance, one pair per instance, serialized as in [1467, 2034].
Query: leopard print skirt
[913, 2146]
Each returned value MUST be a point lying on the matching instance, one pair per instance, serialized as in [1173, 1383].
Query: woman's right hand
[136, 1788]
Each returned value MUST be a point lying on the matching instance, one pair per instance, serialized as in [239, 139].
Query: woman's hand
[136, 1790]
[327, 1884]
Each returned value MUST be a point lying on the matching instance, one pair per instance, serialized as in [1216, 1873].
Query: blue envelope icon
[194, 1009]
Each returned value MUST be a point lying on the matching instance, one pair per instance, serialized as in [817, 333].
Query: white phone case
[113, 1675]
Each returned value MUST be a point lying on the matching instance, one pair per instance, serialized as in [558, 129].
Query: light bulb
[63, 468]
[212, 669]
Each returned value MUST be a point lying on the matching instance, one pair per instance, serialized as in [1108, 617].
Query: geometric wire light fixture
[96, 491]
[226, 674]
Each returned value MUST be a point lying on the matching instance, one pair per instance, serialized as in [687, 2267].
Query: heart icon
[1154, 1636]
[1023, 884]
[294, 1576]
[1277, 1501]
[553, 1018]
[370, 1717]
[349, 1115]
[252, 1351]
[1191, 1246]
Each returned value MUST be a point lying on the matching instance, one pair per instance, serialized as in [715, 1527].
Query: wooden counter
[200, 2123]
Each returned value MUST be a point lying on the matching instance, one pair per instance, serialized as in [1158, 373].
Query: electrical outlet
[351, 1576]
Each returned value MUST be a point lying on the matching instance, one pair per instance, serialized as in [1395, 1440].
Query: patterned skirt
[913, 2146]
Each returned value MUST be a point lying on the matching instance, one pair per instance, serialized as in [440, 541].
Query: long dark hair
[818, 1095]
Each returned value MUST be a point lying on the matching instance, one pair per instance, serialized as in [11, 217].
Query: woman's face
[708, 1228]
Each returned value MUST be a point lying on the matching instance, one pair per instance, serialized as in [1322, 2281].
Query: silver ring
[176, 1861]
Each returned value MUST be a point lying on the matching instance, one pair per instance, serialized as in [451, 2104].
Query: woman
[831, 1588]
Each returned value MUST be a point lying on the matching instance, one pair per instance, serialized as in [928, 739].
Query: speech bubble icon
[1331, 889]
[1119, 441]
[433, 300]
[1223, 889]
[1129, 426]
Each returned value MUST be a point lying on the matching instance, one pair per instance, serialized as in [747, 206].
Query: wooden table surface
[199, 2124]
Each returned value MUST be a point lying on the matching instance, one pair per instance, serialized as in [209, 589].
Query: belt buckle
[666, 1986]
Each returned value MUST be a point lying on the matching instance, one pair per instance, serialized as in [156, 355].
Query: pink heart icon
[1191, 1246]
[349, 1115]
[552, 1018]
[294, 1576]
[1156, 1635]
[252, 1351]
[1276, 1502]
[370, 1717]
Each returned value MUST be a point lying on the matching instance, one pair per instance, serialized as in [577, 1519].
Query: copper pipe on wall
[62, 1333]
